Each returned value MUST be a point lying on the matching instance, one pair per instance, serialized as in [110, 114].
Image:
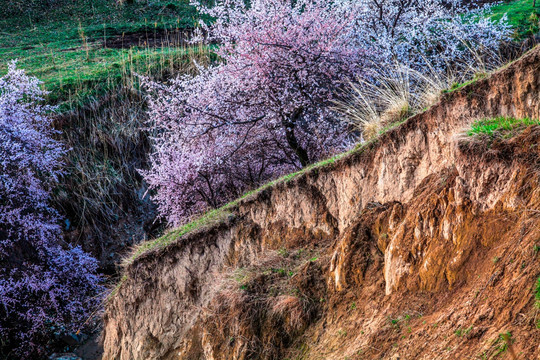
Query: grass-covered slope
[70, 46]
[218, 215]
[501, 126]
[521, 15]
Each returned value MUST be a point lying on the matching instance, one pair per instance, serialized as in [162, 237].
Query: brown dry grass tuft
[291, 310]
[262, 307]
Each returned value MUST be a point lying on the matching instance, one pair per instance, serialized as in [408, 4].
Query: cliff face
[418, 246]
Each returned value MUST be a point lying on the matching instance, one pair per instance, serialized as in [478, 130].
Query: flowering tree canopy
[44, 288]
[263, 110]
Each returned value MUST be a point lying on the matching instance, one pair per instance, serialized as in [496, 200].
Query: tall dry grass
[102, 187]
[389, 95]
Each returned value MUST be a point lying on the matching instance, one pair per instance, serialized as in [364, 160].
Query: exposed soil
[468, 280]
[419, 246]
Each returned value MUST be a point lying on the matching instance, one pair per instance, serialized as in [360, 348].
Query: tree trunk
[289, 126]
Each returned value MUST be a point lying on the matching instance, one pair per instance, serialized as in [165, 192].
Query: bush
[44, 288]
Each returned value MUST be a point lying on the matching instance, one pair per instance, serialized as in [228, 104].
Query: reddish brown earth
[418, 246]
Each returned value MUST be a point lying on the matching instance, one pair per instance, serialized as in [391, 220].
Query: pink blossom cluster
[265, 109]
[44, 287]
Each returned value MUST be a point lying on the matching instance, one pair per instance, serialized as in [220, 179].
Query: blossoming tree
[266, 107]
[263, 110]
[44, 288]
[424, 34]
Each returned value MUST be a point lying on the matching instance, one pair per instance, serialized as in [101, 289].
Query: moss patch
[505, 127]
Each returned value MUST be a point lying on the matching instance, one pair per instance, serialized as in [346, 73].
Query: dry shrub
[374, 105]
[361, 112]
[291, 310]
[261, 308]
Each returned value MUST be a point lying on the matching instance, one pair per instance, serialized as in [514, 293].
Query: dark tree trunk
[289, 126]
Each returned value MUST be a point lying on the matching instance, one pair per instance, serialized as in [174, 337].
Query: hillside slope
[421, 245]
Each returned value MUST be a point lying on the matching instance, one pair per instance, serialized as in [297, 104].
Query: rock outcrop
[421, 245]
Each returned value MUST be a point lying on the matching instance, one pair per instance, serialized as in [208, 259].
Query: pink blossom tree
[44, 288]
[265, 109]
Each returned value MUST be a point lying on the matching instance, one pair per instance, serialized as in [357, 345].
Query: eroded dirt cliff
[421, 245]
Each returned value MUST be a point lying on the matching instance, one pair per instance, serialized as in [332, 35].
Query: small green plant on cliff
[400, 320]
[505, 127]
[501, 346]
[503, 343]
[460, 85]
[283, 252]
[537, 293]
[462, 332]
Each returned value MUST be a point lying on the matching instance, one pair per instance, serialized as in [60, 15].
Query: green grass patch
[457, 86]
[537, 293]
[75, 76]
[505, 127]
[521, 15]
[211, 217]
[63, 45]
[98, 18]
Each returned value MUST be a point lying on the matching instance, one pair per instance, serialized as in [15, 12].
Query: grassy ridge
[215, 216]
[64, 46]
[521, 15]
